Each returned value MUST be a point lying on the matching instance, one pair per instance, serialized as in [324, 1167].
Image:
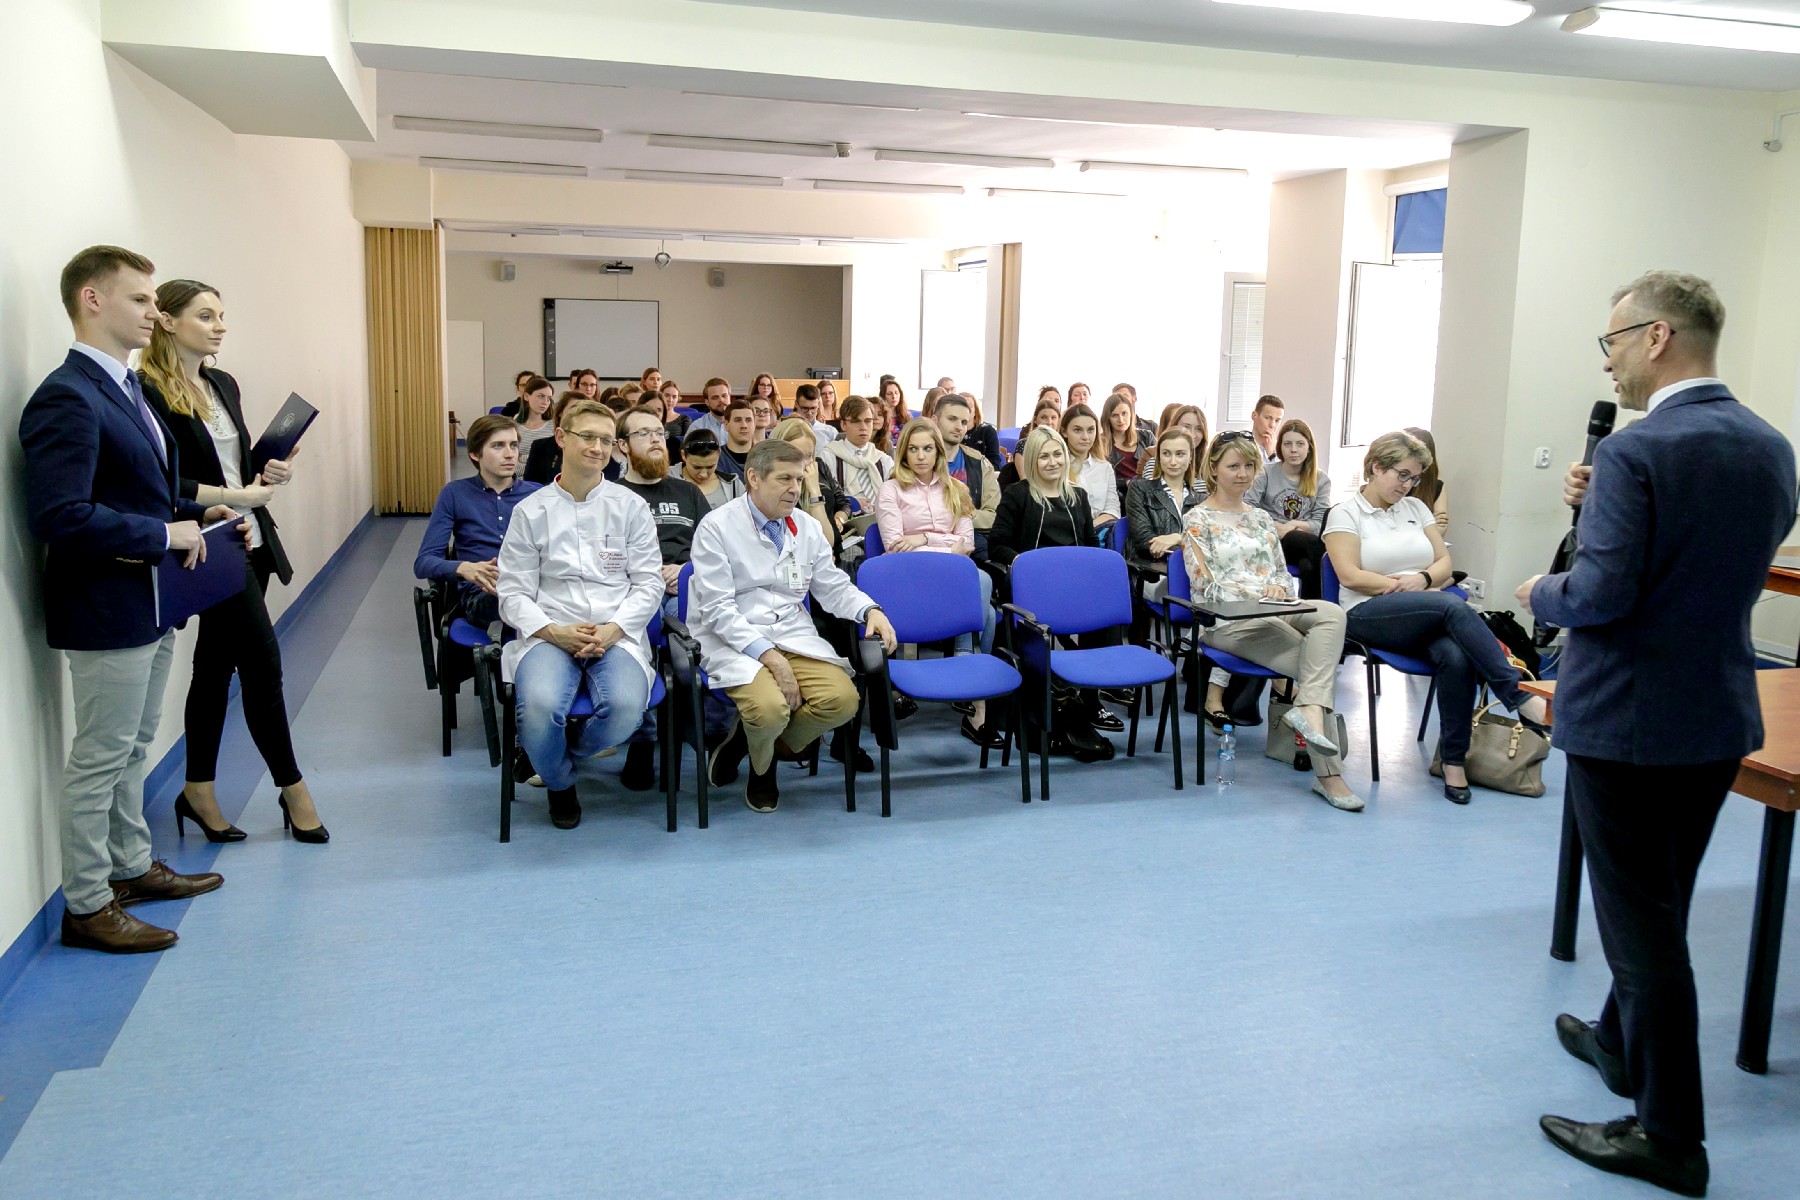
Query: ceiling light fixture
[792, 100]
[502, 167]
[869, 185]
[752, 239]
[950, 159]
[704, 177]
[548, 133]
[997, 192]
[681, 141]
[630, 235]
[1460, 12]
[992, 116]
[1725, 33]
[1095, 164]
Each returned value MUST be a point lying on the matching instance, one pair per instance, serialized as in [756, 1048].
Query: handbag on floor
[1284, 743]
[1503, 755]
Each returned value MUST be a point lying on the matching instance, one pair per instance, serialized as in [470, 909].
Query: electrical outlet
[1543, 458]
[1477, 588]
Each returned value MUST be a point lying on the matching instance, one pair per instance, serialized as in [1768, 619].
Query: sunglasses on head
[701, 446]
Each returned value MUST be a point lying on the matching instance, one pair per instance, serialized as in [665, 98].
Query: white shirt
[1661, 394]
[574, 562]
[116, 371]
[1393, 540]
[1096, 478]
[822, 432]
[743, 591]
[226, 444]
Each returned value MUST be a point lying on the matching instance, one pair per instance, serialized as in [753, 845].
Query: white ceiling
[1536, 46]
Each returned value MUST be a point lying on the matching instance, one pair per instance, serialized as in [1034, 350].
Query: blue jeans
[965, 641]
[545, 685]
[1447, 633]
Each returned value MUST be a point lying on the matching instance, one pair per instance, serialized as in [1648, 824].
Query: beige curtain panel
[406, 367]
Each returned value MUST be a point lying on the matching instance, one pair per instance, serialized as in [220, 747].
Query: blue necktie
[776, 534]
[145, 415]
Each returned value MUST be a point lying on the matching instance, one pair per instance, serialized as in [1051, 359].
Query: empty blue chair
[932, 598]
[1060, 591]
[872, 547]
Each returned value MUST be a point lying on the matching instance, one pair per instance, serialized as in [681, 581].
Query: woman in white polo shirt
[1391, 562]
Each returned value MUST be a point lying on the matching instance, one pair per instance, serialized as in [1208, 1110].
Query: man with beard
[676, 506]
[717, 394]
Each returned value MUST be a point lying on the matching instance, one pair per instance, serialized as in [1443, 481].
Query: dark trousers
[236, 636]
[1305, 552]
[1444, 631]
[479, 608]
[1644, 831]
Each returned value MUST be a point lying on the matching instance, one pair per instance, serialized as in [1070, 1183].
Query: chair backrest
[1328, 581]
[927, 597]
[681, 590]
[1118, 536]
[1073, 589]
[872, 545]
[1009, 438]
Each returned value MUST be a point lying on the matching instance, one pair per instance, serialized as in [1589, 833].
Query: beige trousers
[828, 699]
[1305, 647]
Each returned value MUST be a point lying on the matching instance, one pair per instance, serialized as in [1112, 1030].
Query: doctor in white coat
[755, 561]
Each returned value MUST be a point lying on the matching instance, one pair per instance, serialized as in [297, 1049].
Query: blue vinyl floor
[1126, 991]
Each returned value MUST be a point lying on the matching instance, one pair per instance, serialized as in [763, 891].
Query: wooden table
[1770, 776]
[1784, 580]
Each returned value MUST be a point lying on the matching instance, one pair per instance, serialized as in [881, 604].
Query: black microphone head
[1600, 421]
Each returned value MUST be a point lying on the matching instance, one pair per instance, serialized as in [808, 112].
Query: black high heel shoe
[184, 812]
[318, 835]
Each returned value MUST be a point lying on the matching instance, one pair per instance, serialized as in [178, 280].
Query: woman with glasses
[1391, 562]
[1233, 554]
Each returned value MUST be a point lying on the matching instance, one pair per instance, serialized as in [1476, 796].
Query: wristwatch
[1428, 582]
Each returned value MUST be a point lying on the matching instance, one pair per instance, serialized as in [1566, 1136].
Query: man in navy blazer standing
[1656, 697]
[102, 495]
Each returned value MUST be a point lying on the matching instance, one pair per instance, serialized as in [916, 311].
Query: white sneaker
[1350, 803]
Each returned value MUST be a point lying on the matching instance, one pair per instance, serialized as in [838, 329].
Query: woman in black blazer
[204, 412]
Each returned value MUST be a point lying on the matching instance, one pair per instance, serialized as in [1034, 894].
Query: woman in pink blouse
[922, 509]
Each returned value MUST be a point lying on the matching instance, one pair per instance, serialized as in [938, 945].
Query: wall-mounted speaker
[716, 277]
[508, 272]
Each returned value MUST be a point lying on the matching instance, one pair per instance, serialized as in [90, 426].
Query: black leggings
[1305, 551]
[236, 636]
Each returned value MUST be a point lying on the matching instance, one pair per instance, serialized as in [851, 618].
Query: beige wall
[779, 319]
[267, 221]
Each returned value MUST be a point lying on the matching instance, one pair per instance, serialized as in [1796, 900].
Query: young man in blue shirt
[468, 523]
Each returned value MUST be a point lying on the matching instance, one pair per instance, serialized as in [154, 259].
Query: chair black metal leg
[1131, 737]
[1374, 741]
[853, 740]
[1173, 712]
[1425, 717]
[1765, 941]
[1568, 885]
[507, 783]
[700, 756]
[1044, 758]
[887, 800]
[1015, 732]
[447, 703]
[665, 728]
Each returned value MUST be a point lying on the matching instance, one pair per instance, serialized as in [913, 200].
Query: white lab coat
[742, 590]
[574, 562]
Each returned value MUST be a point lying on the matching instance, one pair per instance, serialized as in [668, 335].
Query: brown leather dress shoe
[114, 931]
[160, 883]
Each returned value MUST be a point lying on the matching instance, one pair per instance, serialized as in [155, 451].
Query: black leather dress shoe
[722, 765]
[983, 735]
[864, 764]
[639, 774]
[761, 794]
[1623, 1148]
[1457, 795]
[565, 808]
[1579, 1038]
[1106, 720]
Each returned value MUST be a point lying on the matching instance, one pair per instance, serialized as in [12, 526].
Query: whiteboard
[617, 338]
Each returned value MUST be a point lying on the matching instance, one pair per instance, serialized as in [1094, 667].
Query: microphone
[1600, 423]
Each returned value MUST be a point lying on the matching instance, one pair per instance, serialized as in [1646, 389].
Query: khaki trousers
[828, 699]
[1305, 647]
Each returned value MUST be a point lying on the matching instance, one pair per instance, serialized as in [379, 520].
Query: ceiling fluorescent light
[949, 159]
[501, 167]
[1077, 121]
[1725, 33]
[752, 239]
[704, 177]
[629, 235]
[996, 192]
[791, 100]
[1461, 12]
[674, 141]
[548, 133]
[869, 185]
[1161, 168]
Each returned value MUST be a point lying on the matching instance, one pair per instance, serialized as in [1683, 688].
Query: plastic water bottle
[1227, 770]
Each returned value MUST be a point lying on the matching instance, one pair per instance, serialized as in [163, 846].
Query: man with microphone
[1656, 698]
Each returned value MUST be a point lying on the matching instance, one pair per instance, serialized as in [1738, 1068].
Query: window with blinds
[1243, 350]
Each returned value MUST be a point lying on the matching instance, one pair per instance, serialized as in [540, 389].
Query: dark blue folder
[181, 593]
[283, 434]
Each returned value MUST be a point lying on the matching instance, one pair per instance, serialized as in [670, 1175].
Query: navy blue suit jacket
[1685, 511]
[99, 497]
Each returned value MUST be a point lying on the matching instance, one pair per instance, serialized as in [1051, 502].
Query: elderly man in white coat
[580, 579]
[755, 561]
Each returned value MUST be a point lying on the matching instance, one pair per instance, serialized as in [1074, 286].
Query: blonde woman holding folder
[201, 406]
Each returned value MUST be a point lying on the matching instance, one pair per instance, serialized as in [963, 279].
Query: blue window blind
[1419, 222]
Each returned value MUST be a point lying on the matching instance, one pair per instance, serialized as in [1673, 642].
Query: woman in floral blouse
[1232, 553]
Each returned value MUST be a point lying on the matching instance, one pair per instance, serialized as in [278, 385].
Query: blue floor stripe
[65, 1008]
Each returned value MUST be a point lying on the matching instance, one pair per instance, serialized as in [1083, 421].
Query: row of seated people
[924, 507]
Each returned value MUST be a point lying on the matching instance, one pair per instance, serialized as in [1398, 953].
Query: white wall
[779, 319]
[97, 152]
